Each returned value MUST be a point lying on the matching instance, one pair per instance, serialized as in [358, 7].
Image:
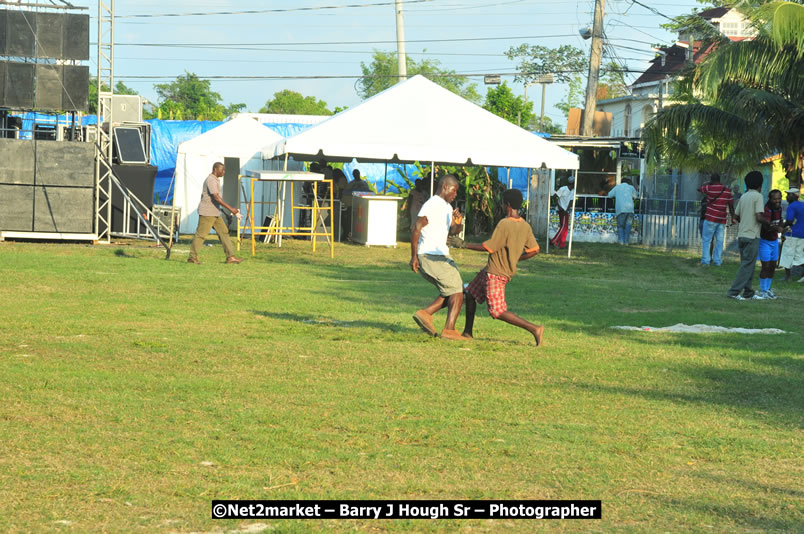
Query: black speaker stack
[38, 56]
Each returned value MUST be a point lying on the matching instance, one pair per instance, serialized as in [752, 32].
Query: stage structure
[321, 210]
[57, 184]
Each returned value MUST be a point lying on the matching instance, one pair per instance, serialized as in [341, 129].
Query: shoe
[703, 265]
[425, 322]
[737, 297]
[452, 334]
[234, 259]
[193, 260]
[801, 280]
[758, 296]
[769, 294]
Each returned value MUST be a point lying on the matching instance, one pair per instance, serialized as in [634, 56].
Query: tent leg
[432, 176]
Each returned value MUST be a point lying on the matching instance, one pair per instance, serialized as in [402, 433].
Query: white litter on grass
[702, 329]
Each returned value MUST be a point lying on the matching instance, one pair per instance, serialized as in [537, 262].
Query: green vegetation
[136, 390]
[745, 98]
[383, 72]
[293, 103]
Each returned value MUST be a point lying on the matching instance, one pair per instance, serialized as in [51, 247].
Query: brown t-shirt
[208, 207]
[510, 239]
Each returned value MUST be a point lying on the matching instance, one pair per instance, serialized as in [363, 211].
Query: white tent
[239, 138]
[418, 120]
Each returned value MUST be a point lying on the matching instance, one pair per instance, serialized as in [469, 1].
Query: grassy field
[135, 390]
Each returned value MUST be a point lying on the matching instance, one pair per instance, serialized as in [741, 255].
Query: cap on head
[572, 179]
[795, 191]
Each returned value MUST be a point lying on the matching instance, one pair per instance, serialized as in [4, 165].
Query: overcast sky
[290, 40]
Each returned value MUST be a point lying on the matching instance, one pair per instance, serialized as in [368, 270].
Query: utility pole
[400, 43]
[594, 69]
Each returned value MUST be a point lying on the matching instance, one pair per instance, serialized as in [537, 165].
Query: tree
[574, 95]
[382, 73]
[613, 81]
[564, 62]
[190, 97]
[293, 103]
[502, 102]
[548, 127]
[749, 100]
[119, 89]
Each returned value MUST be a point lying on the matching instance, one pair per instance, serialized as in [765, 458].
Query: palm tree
[749, 100]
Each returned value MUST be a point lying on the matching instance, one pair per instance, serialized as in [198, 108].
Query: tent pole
[281, 210]
[547, 231]
[572, 219]
[385, 179]
[432, 176]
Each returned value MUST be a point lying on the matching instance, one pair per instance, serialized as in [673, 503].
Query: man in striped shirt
[718, 198]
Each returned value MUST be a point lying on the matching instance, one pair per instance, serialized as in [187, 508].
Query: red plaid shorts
[491, 288]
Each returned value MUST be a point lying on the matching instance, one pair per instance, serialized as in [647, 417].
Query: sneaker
[801, 280]
[736, 297]
[769, 294]
[758, 296]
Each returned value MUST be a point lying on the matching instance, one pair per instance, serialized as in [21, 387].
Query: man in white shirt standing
[429, 255]
[624, 195]
[564, 195]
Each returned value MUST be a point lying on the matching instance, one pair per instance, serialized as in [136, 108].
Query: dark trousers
[749, 250]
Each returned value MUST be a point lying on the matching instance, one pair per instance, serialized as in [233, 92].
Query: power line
[652, 10]
[262, 11]
[361, 76]
[338, 43]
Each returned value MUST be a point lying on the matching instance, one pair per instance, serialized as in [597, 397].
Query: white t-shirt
[433, 239]
[564, 195]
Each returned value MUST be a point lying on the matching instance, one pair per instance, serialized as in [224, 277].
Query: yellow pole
[239, 176]
[314, 219]
[251, 203]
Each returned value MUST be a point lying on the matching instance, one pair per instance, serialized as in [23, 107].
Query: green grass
[136, 390]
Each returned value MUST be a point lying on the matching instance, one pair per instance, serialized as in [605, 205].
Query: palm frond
[693, 136]
[786, 23]
[757, 63]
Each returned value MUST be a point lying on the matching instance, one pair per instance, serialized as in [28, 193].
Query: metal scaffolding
[104, 138]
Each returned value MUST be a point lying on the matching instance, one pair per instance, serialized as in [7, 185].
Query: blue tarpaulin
[167, 135]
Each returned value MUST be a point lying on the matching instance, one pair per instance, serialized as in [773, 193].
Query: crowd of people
[762, 227]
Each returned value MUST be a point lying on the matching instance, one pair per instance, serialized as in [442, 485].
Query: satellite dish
[586, 32]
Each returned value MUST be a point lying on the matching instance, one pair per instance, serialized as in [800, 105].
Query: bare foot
[538, 332]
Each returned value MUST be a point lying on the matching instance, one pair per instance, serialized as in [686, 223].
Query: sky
[295, 41]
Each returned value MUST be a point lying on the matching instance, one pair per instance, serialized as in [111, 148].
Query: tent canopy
[238, 138]
[418, 120]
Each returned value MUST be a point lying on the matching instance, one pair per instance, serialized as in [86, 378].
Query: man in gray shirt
[209, 216]
[750, 213]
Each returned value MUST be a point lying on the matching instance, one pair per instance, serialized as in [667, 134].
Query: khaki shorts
[792, 252]
[442, 272]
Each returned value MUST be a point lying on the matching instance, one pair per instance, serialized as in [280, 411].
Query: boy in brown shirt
[511, 242]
